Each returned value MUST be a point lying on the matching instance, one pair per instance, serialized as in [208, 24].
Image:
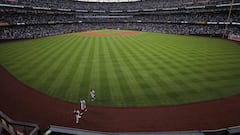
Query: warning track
[25, 104]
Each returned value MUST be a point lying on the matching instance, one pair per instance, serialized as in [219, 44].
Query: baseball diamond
[140, 69]
[111, 67]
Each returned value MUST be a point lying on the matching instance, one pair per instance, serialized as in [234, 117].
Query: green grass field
[148, 69]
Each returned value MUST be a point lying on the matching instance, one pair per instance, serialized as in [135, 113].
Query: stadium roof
[108, 0]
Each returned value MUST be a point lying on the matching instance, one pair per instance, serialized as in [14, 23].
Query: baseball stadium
[110, 67]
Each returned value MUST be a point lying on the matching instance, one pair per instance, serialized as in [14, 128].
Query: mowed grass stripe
[163, 60]
[74, 91]
[63, 83]
[34, 55]
[132, 72]
[56, 66]
[163, 44]
[114, 85]
[34, 65]
[87, 69]
[41, 48]
[214, 67]
[151, 86]
[210, 64]
[138, 71]
[39, 64]
[152, 71]
[48, 65]
[104, 79]
[94, 82]
[76, 85]
[19, 56]
[14, 50]
[116, 66]
[186, 87]
[176, 69]
[154, 59]
[121, 74]
[147, 66]
[33, 49]
[123, 91]
[29, 48]
[19, 48]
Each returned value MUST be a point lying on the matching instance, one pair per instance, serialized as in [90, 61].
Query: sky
[108, 0]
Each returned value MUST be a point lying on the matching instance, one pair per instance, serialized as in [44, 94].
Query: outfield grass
[148, 69]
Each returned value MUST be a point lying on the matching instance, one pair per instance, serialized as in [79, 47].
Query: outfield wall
[9, 126]
[72, 131]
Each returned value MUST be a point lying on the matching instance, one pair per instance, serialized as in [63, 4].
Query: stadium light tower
[228, 19]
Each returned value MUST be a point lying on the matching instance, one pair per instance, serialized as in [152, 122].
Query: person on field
[92, 94]
[83, 106]
[77, 115]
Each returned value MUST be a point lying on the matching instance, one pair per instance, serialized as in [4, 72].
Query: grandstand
[33, 19]
[188, 17]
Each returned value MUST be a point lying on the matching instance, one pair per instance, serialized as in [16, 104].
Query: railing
[72, 131]
[17, 127]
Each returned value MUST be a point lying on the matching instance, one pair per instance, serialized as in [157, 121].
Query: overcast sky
[108, 0]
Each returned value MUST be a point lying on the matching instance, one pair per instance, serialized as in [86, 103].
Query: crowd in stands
[192, 17]
[139, 5]
[36, 31]
[13, 18]
[186, 29]
[34, 25]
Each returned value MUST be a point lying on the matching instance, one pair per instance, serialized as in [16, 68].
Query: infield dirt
[120, 33]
